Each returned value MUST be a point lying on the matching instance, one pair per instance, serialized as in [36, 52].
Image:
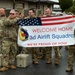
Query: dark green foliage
[72, 9]
[65, 4]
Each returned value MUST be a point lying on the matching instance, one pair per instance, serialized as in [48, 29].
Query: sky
[55, 0]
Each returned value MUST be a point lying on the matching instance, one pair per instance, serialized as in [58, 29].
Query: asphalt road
[43, 68]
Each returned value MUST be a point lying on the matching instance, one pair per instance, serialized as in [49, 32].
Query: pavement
[42, 68]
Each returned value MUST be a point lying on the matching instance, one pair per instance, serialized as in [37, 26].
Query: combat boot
[56, 61]
[35, 62]
[12, 66]
[69, 69]
[48, 61]
[3, 69]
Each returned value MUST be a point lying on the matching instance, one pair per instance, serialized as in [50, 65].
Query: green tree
[72, 9]
[65, 4]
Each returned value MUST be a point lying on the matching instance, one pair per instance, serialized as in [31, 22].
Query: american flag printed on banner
[59, 20]
[30, 22]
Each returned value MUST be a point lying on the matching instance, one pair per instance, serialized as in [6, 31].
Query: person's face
[13, 15]
[17, 14]
[31, 13]
[48, 12]
[2, 11]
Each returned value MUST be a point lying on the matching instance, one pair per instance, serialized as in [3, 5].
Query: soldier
[9, 45]
[20, 15]
[1, 33]
[71, 52]
[48, 50]
[2, 12]
[31, 13]
[2, 16]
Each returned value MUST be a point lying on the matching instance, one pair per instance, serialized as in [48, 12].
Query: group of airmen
[9, 47]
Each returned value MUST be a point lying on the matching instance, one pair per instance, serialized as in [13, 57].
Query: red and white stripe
[59, 20]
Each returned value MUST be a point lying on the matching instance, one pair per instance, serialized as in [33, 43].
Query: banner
[46, 31]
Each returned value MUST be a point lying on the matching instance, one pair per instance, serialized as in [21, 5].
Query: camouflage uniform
[1, 30]
[1, 33]
[41, 53]
[71, 52]
[48, 51]
[34, 54]
[9, 43]
[57, 54]
[49, 54]
[26, 50]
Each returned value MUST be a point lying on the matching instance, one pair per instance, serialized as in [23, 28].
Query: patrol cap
[12, 11]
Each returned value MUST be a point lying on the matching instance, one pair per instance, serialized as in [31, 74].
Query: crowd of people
[9, 47]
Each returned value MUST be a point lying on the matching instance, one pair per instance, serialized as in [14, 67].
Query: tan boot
[3, 69]
[48, 62]
[56, 61]
[35, 62]
[69, 69]
[12, 66]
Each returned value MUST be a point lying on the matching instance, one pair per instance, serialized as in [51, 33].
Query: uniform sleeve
[9, 22]
[1, 29]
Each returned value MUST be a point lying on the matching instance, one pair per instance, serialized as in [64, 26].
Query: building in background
[24, 5]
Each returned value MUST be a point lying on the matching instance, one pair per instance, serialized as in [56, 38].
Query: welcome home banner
[46, 31]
